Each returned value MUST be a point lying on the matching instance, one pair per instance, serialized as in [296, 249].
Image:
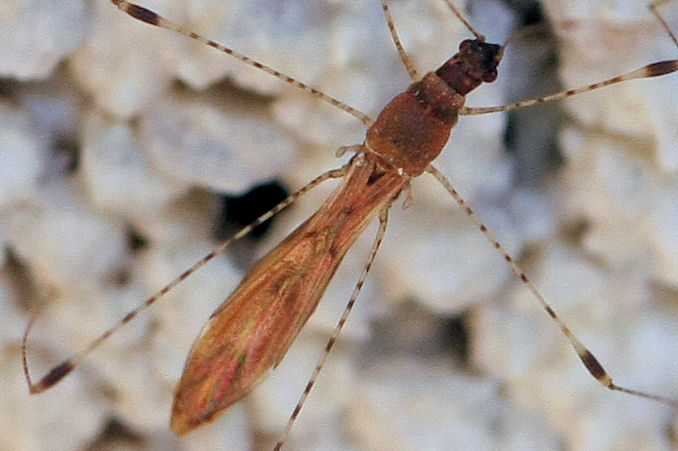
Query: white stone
[36, 36]
[147, 143]
[21, 157]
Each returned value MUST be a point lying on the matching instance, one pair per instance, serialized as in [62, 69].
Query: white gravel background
[156, 130]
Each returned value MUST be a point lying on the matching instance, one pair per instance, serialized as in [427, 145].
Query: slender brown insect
[380, 163]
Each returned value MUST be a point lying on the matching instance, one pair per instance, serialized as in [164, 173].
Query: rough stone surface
[118, 131]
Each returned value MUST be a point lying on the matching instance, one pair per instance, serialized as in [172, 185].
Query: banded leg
[383, 221]
[409, 65]
[152, 18]
[587, 358]
[656, 69]
[407, 61]
[64, 368]
[463, 20]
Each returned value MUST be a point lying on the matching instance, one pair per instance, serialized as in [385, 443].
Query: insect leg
[64, 368]
[383, 221]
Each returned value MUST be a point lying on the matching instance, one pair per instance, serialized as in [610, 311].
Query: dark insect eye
[465, 44]
[489, 77]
